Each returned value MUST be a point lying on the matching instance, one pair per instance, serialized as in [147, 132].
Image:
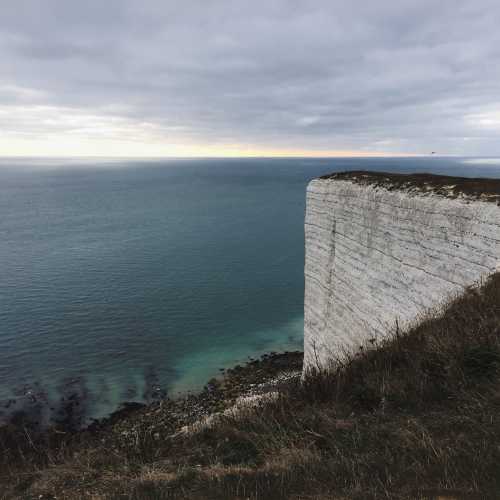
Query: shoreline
[256, 377]
[72, 412]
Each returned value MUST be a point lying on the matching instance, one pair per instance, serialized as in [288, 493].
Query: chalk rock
[385, 253]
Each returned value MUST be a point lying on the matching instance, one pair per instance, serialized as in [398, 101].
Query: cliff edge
[382, 249]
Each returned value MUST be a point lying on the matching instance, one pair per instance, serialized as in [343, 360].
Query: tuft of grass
[415, 416]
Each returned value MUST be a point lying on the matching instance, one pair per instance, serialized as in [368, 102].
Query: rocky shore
[236, 386]
[161, 418]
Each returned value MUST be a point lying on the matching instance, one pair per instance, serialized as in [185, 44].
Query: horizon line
[224, 157]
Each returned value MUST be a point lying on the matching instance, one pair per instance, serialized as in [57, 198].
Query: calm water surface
[120, 278]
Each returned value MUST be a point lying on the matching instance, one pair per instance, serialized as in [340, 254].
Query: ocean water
[121, 280]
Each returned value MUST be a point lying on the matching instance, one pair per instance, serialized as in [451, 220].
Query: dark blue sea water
[120, 278]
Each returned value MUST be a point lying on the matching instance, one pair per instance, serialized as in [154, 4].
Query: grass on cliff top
[417, 416]
[483, 188]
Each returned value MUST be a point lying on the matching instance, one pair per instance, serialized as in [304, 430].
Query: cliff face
[382, 251]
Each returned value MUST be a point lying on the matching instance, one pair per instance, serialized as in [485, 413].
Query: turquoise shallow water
[123, 279]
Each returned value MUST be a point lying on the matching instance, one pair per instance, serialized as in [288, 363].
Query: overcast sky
[208, 77]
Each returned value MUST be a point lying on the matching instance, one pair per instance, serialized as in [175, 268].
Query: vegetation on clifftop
[478, 188]
[417, 416]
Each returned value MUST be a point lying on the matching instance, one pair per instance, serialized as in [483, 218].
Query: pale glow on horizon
[50, 131]
[82, 148]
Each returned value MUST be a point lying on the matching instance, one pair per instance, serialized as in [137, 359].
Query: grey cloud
[398, 76]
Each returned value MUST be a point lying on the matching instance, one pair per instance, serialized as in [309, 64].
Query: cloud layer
[207, 77]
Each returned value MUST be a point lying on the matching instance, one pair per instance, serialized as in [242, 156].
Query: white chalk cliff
[380, 254]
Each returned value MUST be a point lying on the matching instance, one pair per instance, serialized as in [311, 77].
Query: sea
[125, 280]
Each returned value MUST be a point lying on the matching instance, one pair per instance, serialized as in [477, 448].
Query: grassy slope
[415, 417]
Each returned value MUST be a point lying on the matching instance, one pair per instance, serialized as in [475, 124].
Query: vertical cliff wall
[384, 248]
